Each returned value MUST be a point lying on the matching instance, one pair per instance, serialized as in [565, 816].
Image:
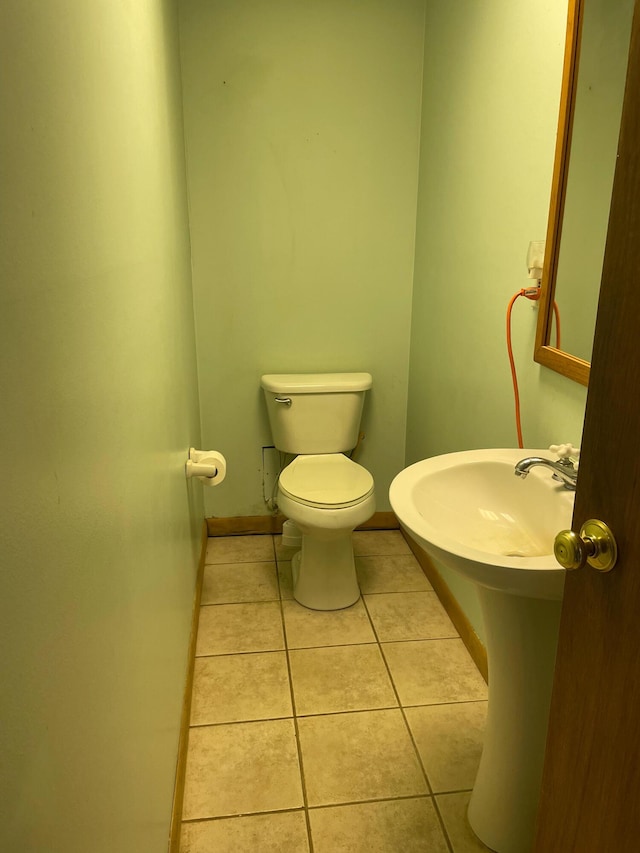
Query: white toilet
[317, 416]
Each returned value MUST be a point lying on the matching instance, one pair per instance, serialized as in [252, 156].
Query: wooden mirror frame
[562, 362]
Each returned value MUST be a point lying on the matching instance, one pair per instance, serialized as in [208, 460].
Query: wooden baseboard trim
[381, 521]
[474, 644]
[264, 524]
[183, 742]
[245, 525]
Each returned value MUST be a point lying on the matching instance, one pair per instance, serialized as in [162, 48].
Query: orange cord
[516, 394]
[534, 296]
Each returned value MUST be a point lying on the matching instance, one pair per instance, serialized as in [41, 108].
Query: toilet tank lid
[315, 383]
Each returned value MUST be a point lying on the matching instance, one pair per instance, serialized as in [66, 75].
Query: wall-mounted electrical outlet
[270, 471]
[535, 259]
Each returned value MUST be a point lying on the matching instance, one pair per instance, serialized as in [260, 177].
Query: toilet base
[324, 571]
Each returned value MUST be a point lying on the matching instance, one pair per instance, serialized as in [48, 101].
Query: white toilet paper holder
[207, 465]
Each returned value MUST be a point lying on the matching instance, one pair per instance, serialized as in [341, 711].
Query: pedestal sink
[469, 511]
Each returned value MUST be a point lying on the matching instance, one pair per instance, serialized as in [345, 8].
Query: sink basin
[472, 513]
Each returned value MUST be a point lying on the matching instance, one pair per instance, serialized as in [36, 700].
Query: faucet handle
[565, 451]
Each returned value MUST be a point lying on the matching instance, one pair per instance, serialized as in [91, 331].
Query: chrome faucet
[564, 471]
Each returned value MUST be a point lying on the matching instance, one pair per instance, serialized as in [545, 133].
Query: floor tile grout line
[240, 722]
[194, 820]
[280, 598]
[413, 742]
[303, 782]
[233, 654]
[239, 652]
[419, 640]
[309, 715]
[342, 645]
[396, 591]
[445, 832]
[402, 797]
[238, 603]
[325, 806]
[390, 708]
[357, 556]
[349, 711]
[268, 600]
[281, 649]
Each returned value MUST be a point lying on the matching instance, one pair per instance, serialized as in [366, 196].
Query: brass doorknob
[594, 545]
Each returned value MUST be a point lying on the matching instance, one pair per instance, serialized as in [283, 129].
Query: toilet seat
[326, 481]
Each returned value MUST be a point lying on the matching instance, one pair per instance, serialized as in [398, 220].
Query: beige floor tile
[449, 740]
[283, 832]
[453, 808]
[340, 678]
[306, 628]
[399, 573]
[232, 688]
[231, 628]
[242, 768]
[379, 542]
[391, 826]
[361, 756]
[433, 671]
[285, 579]
[242, 754]
[284, 553]
[229, 583]
[239, 549]
[409, 616]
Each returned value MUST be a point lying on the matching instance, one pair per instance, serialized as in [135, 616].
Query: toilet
[316, 416]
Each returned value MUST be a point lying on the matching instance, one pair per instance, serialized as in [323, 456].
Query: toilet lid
[328, 479]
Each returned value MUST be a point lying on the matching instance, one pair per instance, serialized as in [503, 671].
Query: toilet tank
[315, 412]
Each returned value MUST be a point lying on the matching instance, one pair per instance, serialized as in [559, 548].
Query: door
[590, 800]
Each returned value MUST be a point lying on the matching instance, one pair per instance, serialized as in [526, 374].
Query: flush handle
[286, 401]
[595, 544]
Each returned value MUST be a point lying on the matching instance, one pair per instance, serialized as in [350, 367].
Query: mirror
[595, 63]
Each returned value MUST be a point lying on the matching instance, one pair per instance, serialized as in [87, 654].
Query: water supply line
[532, 293]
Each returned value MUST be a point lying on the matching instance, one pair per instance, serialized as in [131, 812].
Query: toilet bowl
[327, 496]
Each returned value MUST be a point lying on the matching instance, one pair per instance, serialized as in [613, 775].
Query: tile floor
[329, 732]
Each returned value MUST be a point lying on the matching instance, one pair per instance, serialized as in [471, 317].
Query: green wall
[312, 132]
[490, 107]
[302, 131]
[306, 125]
[99, 531]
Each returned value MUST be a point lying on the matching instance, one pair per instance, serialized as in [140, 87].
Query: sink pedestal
[469, 511]
[521, 639]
